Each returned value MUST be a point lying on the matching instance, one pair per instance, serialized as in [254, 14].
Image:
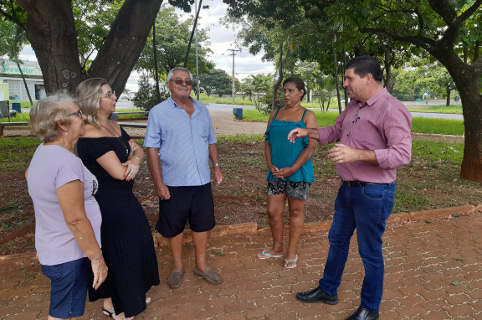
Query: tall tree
[218, 82]
[51, 30]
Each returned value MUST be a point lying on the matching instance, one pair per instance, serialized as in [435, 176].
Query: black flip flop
[108, 313]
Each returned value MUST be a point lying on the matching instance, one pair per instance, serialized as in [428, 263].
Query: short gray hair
[45, 113]
[171, 72]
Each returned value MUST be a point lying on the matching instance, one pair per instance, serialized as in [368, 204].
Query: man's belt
[355, 184]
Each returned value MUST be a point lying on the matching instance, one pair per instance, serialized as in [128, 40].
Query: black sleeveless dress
[127, 244]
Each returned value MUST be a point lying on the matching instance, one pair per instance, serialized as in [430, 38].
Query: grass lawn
[419, 125]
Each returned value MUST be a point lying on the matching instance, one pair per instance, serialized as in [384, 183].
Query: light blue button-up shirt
[182, 141]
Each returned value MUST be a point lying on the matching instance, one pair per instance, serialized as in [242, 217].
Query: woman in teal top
[290, 170]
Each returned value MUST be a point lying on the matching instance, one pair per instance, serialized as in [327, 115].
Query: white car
[124, 96]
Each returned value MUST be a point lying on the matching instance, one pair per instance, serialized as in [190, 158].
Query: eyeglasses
[180, 82]
[109, 95]
[77, 113]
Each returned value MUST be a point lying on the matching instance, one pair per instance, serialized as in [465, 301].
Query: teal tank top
[285, 153]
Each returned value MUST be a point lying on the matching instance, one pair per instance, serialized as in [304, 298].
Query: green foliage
[172, 38]
[457, 109]
[256, 86]
[419, 125]
[12, 39]
[16, 153]
[438, 126]
[268, 102]
[426, 81]
[247, 139]
[323, 87]
[146, 95]
[93, 20]
[204, 98]
[20, 117]
[217, 82]
[438, 151]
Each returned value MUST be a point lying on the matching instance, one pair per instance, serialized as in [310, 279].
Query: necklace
[115, 136]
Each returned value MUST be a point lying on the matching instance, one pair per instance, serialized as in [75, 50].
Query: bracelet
[97, 258]
[138, 160]
[216, 165]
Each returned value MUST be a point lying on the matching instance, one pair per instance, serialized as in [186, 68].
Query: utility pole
[197, 63]
[233, 54]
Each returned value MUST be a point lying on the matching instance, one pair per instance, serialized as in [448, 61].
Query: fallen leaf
[456, 283]
[219, 253]
[458, 259]
[426, 221]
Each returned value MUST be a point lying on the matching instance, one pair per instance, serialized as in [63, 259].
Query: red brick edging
[21, 260]
[252, 228]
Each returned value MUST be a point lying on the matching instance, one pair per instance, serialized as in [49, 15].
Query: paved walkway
[433, 271]
[225, 125]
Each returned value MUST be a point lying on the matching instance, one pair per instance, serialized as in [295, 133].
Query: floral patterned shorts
[295, 190]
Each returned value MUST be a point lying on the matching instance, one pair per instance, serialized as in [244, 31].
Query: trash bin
[238, 113]
[16, 106]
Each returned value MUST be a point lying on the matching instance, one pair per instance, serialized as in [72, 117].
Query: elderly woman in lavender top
[67, 216]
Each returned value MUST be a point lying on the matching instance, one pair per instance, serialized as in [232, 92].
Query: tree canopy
[51, 28]
[172, 38]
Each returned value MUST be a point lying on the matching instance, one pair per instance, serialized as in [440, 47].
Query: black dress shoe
[316, 295]
[363, 314]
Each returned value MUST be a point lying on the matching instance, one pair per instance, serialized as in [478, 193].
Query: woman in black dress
[127, 244]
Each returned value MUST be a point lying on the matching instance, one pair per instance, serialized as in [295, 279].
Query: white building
[9, 73]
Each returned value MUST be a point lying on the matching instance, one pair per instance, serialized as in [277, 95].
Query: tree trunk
[124, 44]
[472, 109]
[156, 71]
[51, 32]
[467, 79]
[448, 97]
[280, 77]
[335, 69]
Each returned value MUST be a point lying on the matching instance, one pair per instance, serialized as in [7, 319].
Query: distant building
[9, 73]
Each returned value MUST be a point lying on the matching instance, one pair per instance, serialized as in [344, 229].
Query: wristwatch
[216, 165]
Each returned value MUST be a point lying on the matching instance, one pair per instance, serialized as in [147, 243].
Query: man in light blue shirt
[180, 140]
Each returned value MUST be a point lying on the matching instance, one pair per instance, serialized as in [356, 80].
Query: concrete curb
[21, 260]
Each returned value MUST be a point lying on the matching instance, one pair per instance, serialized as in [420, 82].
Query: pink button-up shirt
[382, 124]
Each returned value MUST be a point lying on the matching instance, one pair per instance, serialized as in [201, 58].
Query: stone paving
[433, 271]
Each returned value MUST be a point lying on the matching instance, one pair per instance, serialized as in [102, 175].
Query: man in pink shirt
[373, 140]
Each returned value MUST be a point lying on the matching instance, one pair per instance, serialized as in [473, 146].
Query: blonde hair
[45, 113]
[88, 94]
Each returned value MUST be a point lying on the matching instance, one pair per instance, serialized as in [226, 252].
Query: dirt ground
[240, 199]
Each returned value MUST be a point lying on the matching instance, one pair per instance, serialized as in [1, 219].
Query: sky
[221, 40]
